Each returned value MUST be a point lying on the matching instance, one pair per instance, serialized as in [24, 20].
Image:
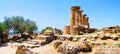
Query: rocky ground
[68, 44]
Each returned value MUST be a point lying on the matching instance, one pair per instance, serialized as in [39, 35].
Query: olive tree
[19, 25]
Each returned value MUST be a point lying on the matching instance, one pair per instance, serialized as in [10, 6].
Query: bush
[48, 27]
[104, 43]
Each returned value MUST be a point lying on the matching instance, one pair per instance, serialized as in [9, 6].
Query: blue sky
[56, 13]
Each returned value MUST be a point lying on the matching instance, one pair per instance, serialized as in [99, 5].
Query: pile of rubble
[107, 49]
[66, 47]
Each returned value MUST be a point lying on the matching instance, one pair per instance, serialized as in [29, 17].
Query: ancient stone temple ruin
[79, 23]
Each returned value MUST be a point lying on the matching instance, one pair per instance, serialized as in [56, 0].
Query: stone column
[83, 19]
[86, 21]
[80, 17]
[77, 16]
[66, 30]
[87, 24]
[72, 18]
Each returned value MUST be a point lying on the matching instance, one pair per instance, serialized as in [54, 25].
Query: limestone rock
[20, 50]
[115, 37]
[75, 39]
[68, 48]
[70, 38]
[107, 50]
[56, 44]
[83, 38]
[48, 33]
[84, 46]
[57, 31]
[27, 51]
[103, 37]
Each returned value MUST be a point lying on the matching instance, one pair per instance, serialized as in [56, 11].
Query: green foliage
[2, 28]
[118, 44]
[19, 25]
[31, 26]
[104, 43]
[8, 23]
[48, 27]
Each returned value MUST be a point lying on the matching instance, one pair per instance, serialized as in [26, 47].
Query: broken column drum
[66, 29]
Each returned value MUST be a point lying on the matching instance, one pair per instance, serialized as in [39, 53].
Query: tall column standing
[80, 17]
[83, 19]
[72, 19]
[77, 15]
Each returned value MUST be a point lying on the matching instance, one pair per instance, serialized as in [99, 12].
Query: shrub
[104, 43]
[48, 27]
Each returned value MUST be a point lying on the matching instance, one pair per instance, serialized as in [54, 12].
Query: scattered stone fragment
[103, 37]
[108, 50]
[83, 38]
[115, 37]
[75, 39]
[70, 38]
[84, 46]
[56, 44]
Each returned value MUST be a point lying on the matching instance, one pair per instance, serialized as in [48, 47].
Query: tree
[8, 23]
[2, 28]
[31, 26]
[19, 25]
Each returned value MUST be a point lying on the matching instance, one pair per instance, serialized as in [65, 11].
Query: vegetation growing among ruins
[48, 27]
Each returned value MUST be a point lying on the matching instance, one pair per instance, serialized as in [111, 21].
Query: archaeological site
[76, 38]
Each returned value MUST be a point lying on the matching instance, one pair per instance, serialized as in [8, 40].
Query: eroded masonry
[79, 23]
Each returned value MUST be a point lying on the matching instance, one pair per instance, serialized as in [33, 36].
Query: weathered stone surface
[80, 17]
[103, 37]
[108, 50]
[56, 44]
[20, 50]
[70, 38]
[112, 29]
[57, 31]
[76, 21]
[115, 37]
[46, 39]
[84, 46]
[83, 38]
[48, 33]
[68, 48]
[75, 39]
[66, 29]
[27, 51]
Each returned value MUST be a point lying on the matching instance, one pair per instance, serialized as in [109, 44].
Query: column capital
[75, 7]
[80, 11]
[84, 15]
